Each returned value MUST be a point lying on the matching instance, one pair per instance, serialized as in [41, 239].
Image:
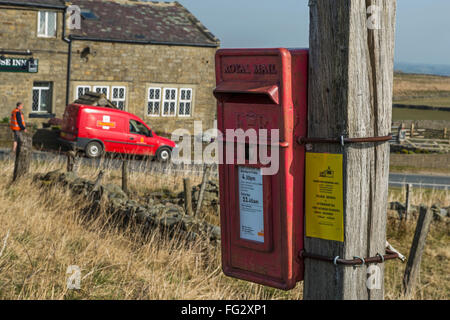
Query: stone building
[153, 59]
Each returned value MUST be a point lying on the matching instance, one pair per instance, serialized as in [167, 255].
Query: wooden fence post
[23, 155]
[350, 94]
[408, 200]
[202, 189]
[187, 196]
[71, 158]
[415, 255]
[125, 176]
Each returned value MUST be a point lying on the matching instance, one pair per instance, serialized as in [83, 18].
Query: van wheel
[164, 154]
[94, 150]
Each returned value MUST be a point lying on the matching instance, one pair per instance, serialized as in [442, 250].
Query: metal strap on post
[342, 141]
[356, 261]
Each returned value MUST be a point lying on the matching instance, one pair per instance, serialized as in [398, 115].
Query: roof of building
[134, 22]
[56, 4]
[142, 22]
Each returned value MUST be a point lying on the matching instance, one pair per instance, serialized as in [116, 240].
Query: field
[418, 114]
[421, 90]
[42, 233]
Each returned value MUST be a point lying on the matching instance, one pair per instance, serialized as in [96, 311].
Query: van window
[137, 127]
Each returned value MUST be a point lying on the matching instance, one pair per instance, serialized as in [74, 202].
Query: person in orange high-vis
[17, 123]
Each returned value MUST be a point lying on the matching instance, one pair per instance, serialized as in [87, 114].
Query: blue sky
[423, 26]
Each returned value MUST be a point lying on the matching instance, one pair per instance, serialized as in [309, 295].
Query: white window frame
[185, 101]
[40, 89]
[101, 87]
[164, 100]
[77, 96]
[154, 100]
[124, 99]
[45, 34]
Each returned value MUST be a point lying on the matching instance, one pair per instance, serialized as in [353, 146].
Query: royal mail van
[96, 130]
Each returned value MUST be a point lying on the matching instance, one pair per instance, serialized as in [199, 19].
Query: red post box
[262, 93]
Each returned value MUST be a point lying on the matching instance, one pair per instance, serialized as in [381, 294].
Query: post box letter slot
[256, 92]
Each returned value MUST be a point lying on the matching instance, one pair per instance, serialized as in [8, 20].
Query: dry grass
[42, 233]
[47, 234]
[420, 85]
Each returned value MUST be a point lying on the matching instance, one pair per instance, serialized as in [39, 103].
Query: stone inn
[153, 59]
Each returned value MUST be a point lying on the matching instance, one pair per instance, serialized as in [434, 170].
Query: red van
[96, 130]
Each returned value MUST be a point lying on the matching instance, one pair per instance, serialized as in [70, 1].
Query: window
[82, 90]
[153, 101]
[137, 127]
[118, 97]
[185, 105]
[46, 24]
[169, 102]
[88, 14]
[42, 97]
[102, 89]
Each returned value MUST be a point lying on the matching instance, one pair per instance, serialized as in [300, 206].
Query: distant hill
[433, 69]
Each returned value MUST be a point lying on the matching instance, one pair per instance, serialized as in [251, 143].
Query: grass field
[417, 114]
[408, 86]
[443, 102]
[42, 233]
[425, 90]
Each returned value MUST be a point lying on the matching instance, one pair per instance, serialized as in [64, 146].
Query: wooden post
[350, 94]
[445, 133]
[415, 255]
[125, 176]
[408, 200]
[98, 181]
[187, 196]
[401, 134]
[71, 155]
[23, 155]
[202, 189]
[411, 134]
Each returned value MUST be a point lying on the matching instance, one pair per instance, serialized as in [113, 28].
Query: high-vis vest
[14, 124]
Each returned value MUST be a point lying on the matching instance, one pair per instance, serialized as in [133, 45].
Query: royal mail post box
[262, 93]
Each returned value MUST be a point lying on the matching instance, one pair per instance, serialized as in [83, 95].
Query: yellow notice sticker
[324, 196]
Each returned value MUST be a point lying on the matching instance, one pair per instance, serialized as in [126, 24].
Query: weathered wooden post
[350, 95]
[71, 161]
[23, 155]
[415, 255]
[401, 134]
[206, 169]
[408, 200]
[125, 176]
[411, 134]
[187, 196]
